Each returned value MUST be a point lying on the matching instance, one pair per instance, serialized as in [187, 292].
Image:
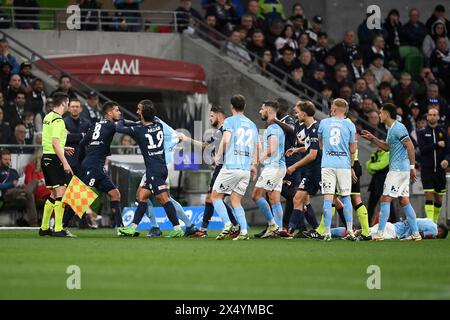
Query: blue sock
[219, 206]
[240, 217]
[348, 212]
[265, 208]
[151, 215]
[411, 217]
[327, 214]
[338, 232]
[278, 214]
[384, 215]
[180, 212]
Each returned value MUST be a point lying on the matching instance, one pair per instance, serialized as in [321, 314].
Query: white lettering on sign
[121, 67]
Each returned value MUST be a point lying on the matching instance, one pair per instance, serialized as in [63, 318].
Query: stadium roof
[132, 71]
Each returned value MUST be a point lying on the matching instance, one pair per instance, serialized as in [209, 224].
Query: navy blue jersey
[76, 130]
[213, 144]
[150, 139]
[312, 143]
[97, 143]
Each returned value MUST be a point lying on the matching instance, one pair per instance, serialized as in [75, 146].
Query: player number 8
[91, 182]
[335, 136]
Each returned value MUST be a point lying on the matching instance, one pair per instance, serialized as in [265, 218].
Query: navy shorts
[156, 181]
[294, 179]
[214, 177]
[98, 179]
[310, 182]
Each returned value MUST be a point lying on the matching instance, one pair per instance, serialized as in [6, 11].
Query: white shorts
[389, 231]
[271, 179]
[396, 184]
[232, 180]
[340, 179]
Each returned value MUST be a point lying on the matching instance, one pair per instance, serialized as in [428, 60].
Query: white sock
[177, 227]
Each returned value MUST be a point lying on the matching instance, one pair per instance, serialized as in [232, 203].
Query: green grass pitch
[140, 268]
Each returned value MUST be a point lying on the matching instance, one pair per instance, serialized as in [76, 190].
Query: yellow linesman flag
[79, 196]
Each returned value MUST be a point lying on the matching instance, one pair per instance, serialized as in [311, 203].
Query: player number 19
[151, 143]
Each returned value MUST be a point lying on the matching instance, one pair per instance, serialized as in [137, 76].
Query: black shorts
[356, 186]
[294, 179]
[214, 177]
[434, 181]
[97, 178]
[156, 181]
[310, 182]
[53, 171]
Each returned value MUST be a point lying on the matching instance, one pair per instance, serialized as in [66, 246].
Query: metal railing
[81, 88]
[90, 19]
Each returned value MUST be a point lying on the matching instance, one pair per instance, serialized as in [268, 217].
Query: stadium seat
[412, 60]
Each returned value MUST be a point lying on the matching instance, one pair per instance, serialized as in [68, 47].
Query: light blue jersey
[336, 135]
[277, 159]
[398, 155]
[170, 140]
[426, 226]
[242, 146]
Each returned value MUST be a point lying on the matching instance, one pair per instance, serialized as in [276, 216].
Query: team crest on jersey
[223, 188]
[394, 189]
[269, 184]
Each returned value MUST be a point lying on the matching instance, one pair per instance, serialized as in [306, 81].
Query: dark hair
[59, 98]
[74, 100]
[148, 112]
[108, 106]
[439, 8]
[444, 230]
[283, 105]
[20, 92]
[27, 114]
[271, 103]
[391, 109]
[64, 76]
[146, 102]
[4, 152]
[384, 85]
[238, 102]
[307, 107]
[36, 80]
[217, 109]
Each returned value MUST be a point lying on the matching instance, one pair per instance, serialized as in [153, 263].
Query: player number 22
[151, 143]
[241, 134]
[335, 136]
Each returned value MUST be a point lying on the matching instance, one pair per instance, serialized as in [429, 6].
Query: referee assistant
[54, 165]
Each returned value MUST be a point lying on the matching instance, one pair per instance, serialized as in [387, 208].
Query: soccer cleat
[378, 236]
[412, 237]
[200, 234]
[271, 232]
[154, 232]
[43, 233]
[175, 234]
[128, 231]
[235, 231]
[364, 238]
[63, 234]
[327, 237]
[350, 236]
[313, 234]
[286, 234]
[260, 234]
[242, 237]
[300, 235]
[190, 231]
[225, 233]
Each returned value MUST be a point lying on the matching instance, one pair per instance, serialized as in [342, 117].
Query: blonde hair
[341, 103]
[36, 158]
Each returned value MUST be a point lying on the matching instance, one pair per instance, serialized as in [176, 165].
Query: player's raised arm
[383, 145]
[122, 128]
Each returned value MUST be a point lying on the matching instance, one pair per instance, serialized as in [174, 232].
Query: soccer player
[95, 145]
[401, 170]
[239, 150]
[432, 143]
[216, 119]
[55, 166]
[171, 139]
[337, 138]
[310, 183]
[150, 137]
[270, 180]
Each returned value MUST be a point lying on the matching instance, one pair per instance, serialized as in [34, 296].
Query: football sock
[437, 211]
[411, 217]
[59, 213]
[231, 215]
[265, 209]
[207, 214]
[327, 205]
[151, 215]
[385, 210]
[48, 210]
[310, 216]
[278, 214]
[171, 213]
[361, 212]
[297, 220]
[338, 232]
[341, 214]
[68, 215]
[240, 216]
[139, 213]
[348, 212]
[429, 209]
[221, 210]
[116, 212]
[180, 212]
